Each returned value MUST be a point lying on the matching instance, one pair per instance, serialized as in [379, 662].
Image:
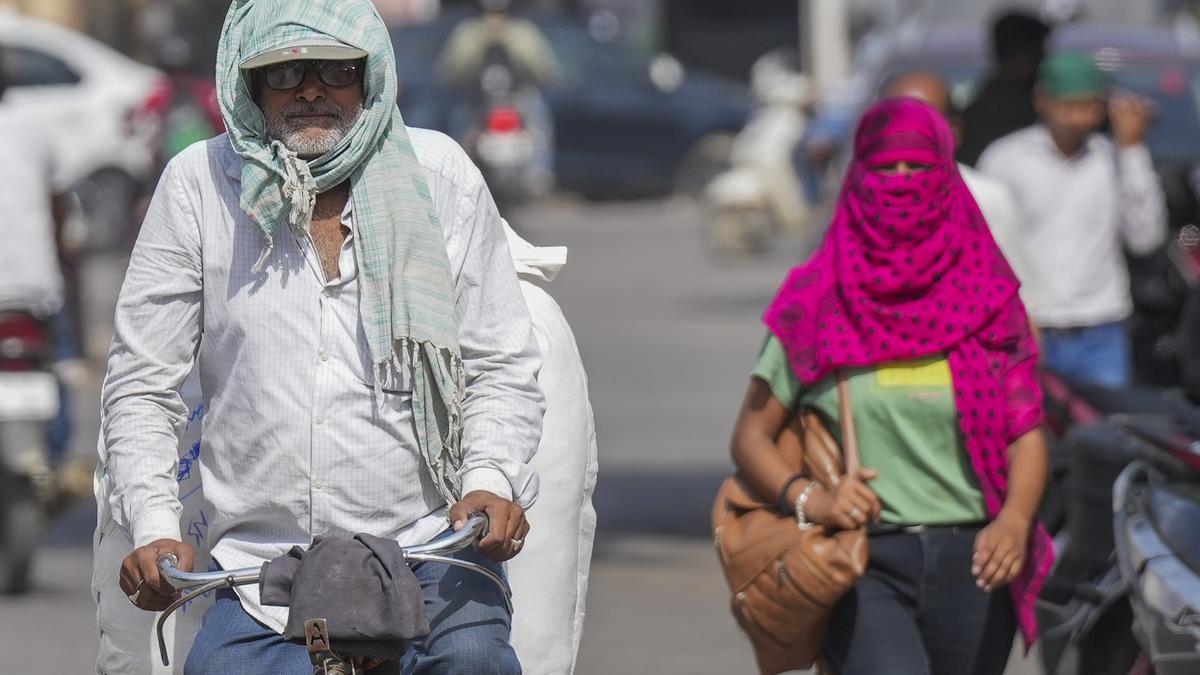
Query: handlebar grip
[487, 525]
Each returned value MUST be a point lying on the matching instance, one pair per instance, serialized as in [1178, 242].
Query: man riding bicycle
[366, 358]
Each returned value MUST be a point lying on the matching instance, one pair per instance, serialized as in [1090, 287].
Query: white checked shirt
[1075, 212]
[296, 443]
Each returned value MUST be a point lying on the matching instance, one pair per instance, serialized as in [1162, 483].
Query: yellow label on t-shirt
[927, 373]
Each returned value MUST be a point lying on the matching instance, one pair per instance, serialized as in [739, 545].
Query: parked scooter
[1158, 552]
[1084, 609]
[29, 400]
[760, 196]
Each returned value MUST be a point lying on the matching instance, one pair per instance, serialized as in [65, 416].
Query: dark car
[619, 131]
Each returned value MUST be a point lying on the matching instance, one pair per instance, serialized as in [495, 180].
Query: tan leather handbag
[785, 580]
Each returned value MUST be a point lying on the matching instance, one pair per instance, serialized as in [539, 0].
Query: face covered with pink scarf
[909, 269]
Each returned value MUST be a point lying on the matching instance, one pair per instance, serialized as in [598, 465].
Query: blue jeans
[62, 330]
[1096, 355]
[469, 629]
[917, 611]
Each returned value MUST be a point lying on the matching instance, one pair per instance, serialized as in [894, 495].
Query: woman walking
[912, 302]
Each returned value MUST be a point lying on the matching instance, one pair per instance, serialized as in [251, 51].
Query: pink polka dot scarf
[908, 268]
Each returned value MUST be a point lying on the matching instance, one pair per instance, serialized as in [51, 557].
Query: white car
[102, 110]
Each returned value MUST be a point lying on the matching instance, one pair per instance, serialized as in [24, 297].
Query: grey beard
[309, 143]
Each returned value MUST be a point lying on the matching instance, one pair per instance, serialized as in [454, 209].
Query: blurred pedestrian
[498, 35]
[368, 364]
[33, 206]
[1080, 197]
[37, 263]
[910, 299]
[995, 201]
[1005, 102]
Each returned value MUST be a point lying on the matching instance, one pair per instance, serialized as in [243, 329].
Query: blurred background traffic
[687, 151]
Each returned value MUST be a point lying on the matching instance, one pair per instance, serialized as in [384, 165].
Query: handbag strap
[851, 458]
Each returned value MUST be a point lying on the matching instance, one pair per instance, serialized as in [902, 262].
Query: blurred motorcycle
[510, 137]
[1086, 455]
[29, 400]
[760, 195]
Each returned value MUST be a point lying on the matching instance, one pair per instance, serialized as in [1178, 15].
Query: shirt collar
[1045, 141]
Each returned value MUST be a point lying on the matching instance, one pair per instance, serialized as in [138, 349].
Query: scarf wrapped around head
[909, 269]
[407, 298]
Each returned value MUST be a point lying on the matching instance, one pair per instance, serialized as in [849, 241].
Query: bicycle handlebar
[475, 529]
[195, 584]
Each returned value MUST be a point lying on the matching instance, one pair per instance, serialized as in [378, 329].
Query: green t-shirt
[907, 430]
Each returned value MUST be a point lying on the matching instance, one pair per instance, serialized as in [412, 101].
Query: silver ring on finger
[517, 543]
[137, 592]
[856, 513]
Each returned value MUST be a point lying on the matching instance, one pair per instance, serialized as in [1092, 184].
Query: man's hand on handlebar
[507, 525]
[140, 579]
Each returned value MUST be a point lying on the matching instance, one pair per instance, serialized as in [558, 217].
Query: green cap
[1072, 75]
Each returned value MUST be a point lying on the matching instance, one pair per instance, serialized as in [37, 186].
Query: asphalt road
[668, 335]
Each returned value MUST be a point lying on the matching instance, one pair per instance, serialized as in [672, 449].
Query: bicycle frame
[196, 584]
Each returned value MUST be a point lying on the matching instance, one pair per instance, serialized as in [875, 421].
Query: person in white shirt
[366, 359]
[995, 201]
[1081, 197]
[549, 579]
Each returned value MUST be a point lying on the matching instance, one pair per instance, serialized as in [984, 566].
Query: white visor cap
[314, 48]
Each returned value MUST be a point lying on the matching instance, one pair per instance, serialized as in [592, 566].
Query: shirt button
[324, 356]
[316, 483]
[327, 293]
[320, 421]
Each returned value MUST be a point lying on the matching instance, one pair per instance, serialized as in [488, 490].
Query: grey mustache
[295, 109]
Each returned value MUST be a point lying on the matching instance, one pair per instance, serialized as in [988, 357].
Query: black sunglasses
[291, 74]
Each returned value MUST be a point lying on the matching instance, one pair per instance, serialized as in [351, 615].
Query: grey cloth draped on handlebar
[362, 587]
[327, 593]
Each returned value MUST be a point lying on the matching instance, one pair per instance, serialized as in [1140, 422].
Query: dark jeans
[917, 611]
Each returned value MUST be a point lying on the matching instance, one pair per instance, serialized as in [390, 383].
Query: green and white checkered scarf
[407, 298]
